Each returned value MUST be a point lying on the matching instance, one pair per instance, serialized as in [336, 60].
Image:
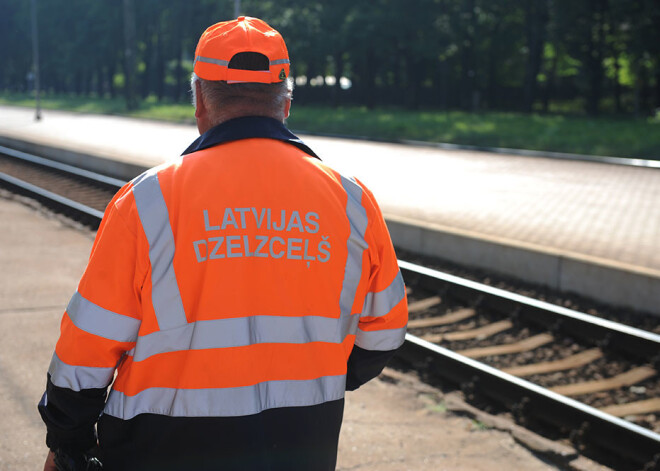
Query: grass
[479, 425]
[556, 133]
[148, 109]
[618, 137]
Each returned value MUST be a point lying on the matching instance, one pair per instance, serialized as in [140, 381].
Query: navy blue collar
[246, 128]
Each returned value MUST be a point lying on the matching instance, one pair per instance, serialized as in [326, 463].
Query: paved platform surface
[387, 427]
[606, 214]
[606, 211]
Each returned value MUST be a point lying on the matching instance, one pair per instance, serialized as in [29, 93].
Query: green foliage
[438, 408]
[471, 55]
[479, 425]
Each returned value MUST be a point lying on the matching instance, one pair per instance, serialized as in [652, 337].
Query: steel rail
[92, 176]
[92, 215]
[636, 342]
[89, 215]
[594, 427]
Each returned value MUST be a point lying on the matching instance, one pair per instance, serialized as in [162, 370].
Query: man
[237, 293]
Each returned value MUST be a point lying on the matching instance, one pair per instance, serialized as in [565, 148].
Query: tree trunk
[594, 59]
[179, 72]
[145, 83]
[160, 77]
[159, 69]
[370, 80]
[645, 89]
[183, 27]
[155, 84]
[339, 71]
[550, 82]
[637, 91]
[129, 55]
[412, 84]
[536, 13]
[491, 83]
[467, 55]
[443, 84]
[110, 70]
[617, 84]
[657, 86]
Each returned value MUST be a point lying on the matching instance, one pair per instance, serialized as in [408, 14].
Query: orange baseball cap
[223, 41]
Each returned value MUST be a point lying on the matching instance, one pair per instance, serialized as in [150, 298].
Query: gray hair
[269, 97]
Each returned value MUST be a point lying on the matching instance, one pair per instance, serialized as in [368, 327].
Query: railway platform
[575, 226]
[391, 424]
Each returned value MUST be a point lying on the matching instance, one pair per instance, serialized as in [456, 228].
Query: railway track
[577, 377]
[78, 193]
[567, 374]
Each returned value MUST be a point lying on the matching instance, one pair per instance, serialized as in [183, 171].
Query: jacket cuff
[70, 417]
[364, 365]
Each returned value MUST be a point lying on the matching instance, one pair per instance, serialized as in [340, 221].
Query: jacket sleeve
[70, 416]
[99, 325]
[384, 316]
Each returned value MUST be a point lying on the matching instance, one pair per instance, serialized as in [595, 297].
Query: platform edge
[605, 281]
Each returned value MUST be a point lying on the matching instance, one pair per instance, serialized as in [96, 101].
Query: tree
[536, 21]
[469, 54]
[130, 51]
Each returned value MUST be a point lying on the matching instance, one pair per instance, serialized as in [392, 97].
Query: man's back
[237, 293]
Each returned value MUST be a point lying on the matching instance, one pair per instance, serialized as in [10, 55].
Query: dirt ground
[397, 427]
[394, 423]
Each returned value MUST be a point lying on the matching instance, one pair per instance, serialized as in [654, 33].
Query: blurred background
[561, 75]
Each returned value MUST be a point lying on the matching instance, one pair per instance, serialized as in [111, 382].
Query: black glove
[77, 462]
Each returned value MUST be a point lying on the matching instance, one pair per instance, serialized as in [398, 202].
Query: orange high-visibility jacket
[233, 280]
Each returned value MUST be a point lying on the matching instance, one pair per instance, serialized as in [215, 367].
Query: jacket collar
[246, 128]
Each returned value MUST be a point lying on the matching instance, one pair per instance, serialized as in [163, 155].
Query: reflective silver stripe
[381, 340]
[155, 219]
[224, 63]
[210, 60]
[357, 217]
[226, 402]
[76, 378]
[93, 319]
[238, 332]
[380, 303]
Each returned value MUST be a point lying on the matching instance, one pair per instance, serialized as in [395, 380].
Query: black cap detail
[249, 61]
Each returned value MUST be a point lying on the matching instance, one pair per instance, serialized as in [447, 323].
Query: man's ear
[202, 111]
[287, 107]
[200, 108]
